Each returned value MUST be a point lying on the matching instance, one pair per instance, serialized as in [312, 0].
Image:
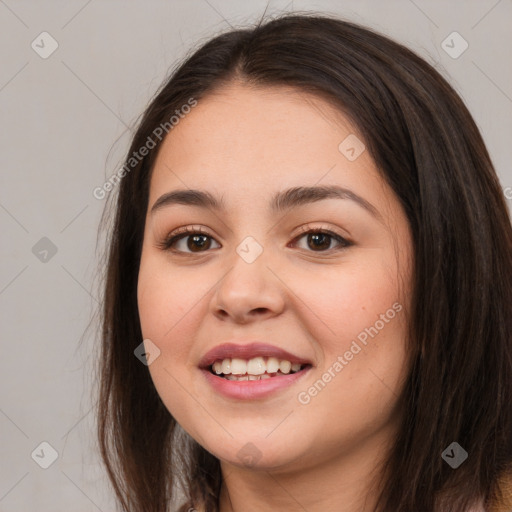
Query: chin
[255, 454]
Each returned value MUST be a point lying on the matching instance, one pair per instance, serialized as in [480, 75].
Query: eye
[193, 239]
[190, 240]
[320, 239]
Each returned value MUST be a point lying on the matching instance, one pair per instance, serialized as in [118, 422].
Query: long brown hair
[429, 150]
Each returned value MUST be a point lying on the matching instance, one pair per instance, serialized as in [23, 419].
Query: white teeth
[238, 367]
[256, 368]
[226, 366]
[285, 366]
[272, 365]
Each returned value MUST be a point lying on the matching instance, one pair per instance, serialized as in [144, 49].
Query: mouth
[251, 371]
[256, 368]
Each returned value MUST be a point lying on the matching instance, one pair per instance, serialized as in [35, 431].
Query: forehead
[244, 121]
[260, 140]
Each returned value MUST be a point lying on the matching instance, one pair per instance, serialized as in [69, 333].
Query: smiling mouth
[257, 368]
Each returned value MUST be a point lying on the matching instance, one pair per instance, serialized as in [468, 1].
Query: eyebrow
[281, 201]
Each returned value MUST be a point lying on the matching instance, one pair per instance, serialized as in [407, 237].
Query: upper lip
[248, 351]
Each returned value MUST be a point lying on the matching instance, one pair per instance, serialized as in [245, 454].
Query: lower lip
[252, 389]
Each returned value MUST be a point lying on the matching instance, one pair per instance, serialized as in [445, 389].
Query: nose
[248, 292]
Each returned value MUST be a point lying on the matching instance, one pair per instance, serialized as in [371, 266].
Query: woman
[308, 300]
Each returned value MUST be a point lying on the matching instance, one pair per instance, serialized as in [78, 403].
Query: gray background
[65, 128]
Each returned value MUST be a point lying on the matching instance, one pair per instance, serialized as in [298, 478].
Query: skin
[245, 144]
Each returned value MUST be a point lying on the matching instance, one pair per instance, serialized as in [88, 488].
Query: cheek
[362, 371]
[345, 301]
[369, 322]
[163, 298]
[163, 318]
[358, 319]
[171, 309]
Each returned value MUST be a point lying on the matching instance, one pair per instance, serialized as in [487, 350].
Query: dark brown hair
[428, 148]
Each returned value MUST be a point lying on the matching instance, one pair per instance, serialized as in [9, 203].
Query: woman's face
[253, 292]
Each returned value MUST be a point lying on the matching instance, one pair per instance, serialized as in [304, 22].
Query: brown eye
[194, 241]
[188, 241]
[320, 240]
[197, 243]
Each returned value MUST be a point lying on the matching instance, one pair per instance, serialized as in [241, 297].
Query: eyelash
[180, 233]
